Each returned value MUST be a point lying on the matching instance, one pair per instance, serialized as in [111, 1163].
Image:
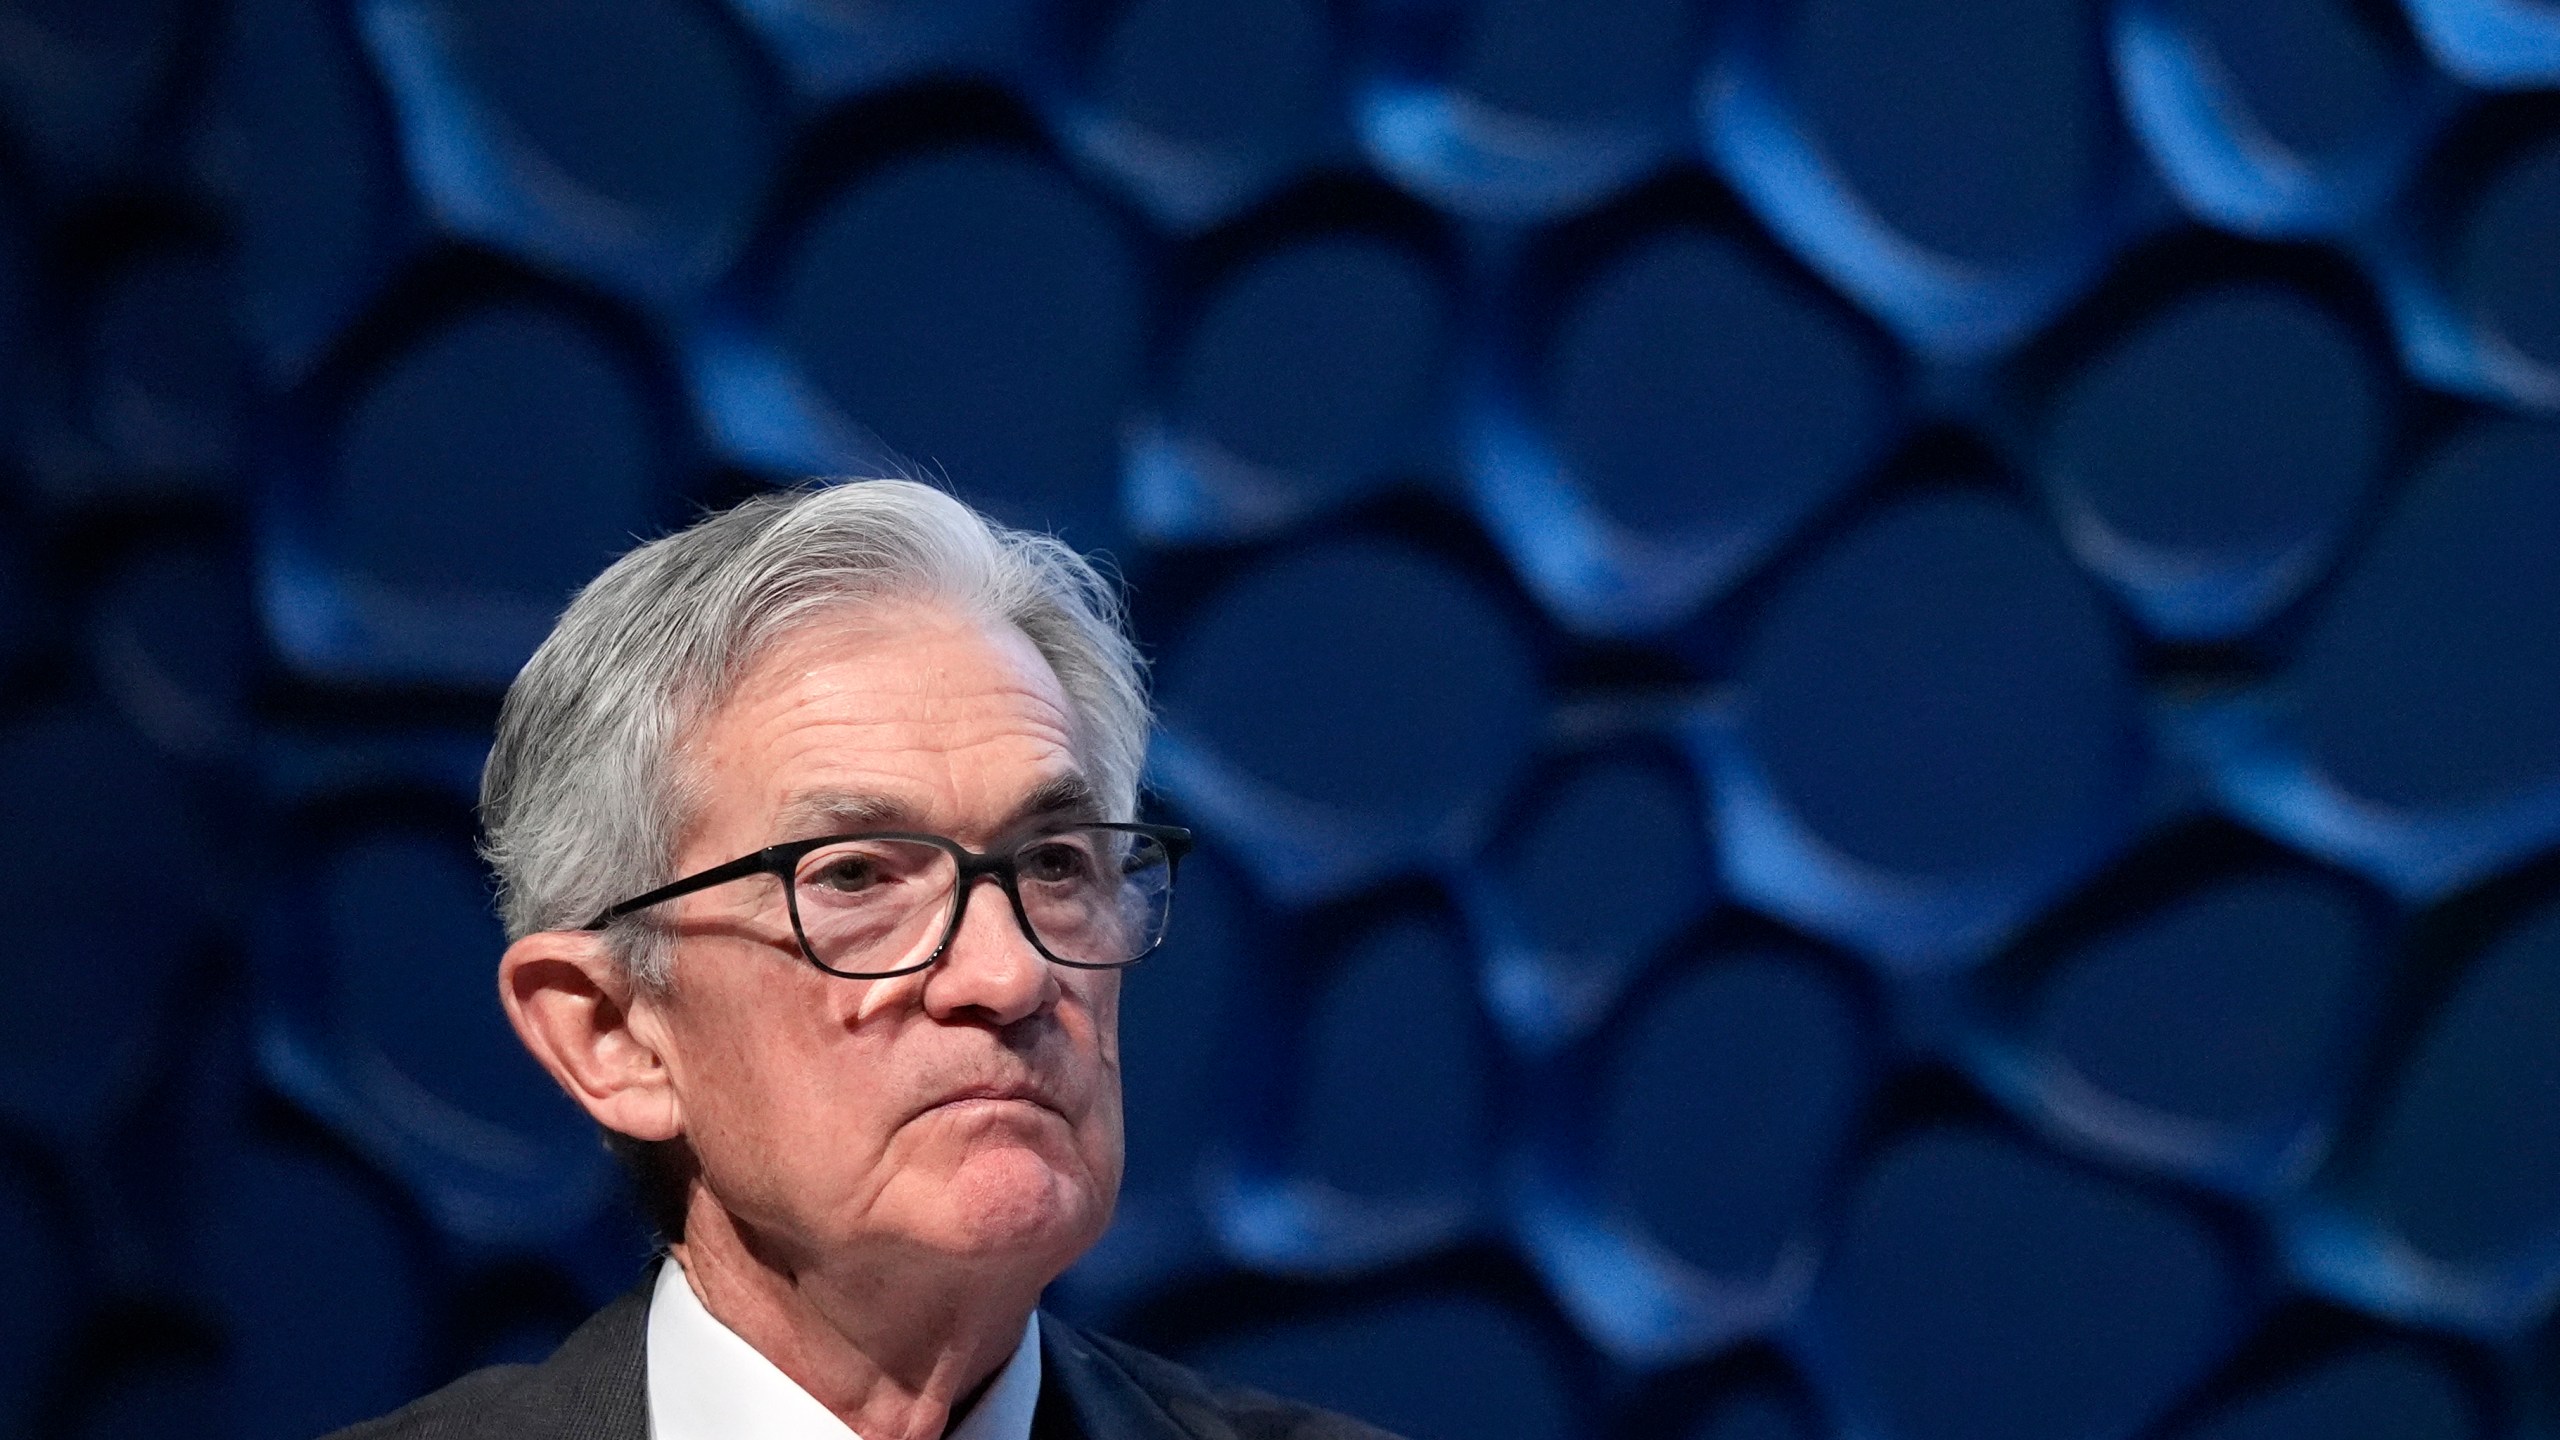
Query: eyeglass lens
[1092, 897]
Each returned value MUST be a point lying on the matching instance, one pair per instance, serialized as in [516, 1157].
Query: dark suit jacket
[1091, 1388]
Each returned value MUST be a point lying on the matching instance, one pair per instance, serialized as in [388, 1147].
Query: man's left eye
[1053, 863]
[848, 873]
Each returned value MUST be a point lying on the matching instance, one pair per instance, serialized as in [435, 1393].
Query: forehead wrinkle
[778, 663]
[891, 695]
[831, 811]
[865, 731]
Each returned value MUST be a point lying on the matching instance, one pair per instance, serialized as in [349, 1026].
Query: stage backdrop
[1873, 686]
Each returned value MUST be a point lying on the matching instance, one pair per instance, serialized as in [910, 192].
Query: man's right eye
[844, 874]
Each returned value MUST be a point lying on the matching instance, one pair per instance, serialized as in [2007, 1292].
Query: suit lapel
[596, 1385]
[1086, 1394]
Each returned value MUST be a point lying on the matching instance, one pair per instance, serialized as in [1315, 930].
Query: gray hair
[585, 794]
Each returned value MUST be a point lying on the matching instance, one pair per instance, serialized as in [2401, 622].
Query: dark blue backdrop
[1874, 686]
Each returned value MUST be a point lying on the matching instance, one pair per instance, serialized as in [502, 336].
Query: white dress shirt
[705, 1383]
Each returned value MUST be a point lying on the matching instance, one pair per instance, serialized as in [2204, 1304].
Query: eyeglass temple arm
[759, 863]
[1176, 839]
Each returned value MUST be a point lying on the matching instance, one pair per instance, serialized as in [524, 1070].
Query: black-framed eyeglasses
[887, 902]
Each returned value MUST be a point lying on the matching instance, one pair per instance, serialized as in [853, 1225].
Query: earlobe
[574, 1007]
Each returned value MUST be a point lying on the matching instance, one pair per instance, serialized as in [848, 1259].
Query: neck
[895, 1350]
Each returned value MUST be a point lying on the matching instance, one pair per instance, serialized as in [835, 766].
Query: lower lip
[989, 1102]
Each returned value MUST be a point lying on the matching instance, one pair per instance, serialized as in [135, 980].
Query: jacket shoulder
[1212, 1409]
[460, 1409]
[594, 1387]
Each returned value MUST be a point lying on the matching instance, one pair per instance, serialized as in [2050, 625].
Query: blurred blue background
[1874, 687]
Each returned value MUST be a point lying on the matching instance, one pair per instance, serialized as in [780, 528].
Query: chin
[1016, 1201]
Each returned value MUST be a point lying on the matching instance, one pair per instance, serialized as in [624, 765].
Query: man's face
[971, 1110]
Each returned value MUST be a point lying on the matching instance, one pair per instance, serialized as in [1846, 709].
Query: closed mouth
[988, 1094]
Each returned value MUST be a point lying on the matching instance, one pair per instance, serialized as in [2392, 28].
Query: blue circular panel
[13, 305]
[1244, 79]
[2507, 278]
[1610, 864]
[2466, 1160]
[1728, 1107]
[1174, 1012]
[1939, 692]
[174, 639]
[1695, 392]
[2210, 458]
[1197, 108]
[21, 628]
[1361, 676]
[984, 319]
[1977, 130]
[80, 78]
[507, 455]
[299, 148]
[165, 375]
[154, 1396]
[1395, 1103]
[1755, 1417]
[2225, 1007]
[1390, 1365]
[322, 1292]
[2366, 1395]
[647, 106]
[2317, 74]
[1573, 64]
[1318, 361]
[1525, 110]
[2492, 44]
[36, 1300]
[414, 947]
[105, 878]
[1985, 1292]
[2432, 678]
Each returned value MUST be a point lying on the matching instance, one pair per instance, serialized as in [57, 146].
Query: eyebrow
[1069, 796]
[845, 812]
[841, 812]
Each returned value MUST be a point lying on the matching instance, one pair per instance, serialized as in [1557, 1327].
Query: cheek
[792, 1102]
[1106, 1143]
[1102, 1131]
[1099, 996]
[774, 1103]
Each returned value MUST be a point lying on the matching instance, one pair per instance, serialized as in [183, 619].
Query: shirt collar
[706, 1383]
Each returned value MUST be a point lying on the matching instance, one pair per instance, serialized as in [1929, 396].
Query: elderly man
[813, 826]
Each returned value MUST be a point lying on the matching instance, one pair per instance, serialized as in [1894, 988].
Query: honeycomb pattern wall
[1874, 688]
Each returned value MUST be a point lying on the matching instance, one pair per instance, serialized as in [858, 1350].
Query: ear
[593, 1028]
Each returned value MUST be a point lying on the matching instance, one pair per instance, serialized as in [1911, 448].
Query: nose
[990, 972]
